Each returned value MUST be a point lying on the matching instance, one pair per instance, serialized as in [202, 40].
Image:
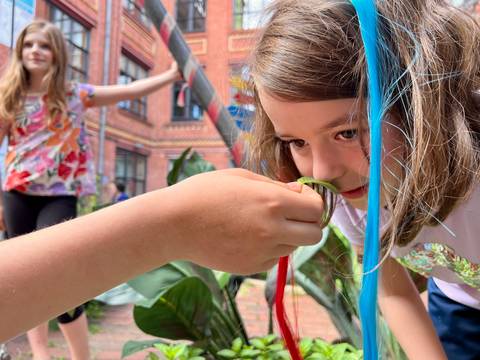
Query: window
[190, 110]
[131, 170]
[78, 43]
[247, 13]
[129, 72]
[137, 11]
[191, 15]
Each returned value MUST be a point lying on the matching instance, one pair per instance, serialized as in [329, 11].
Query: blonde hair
[15, 80]
[311, 50]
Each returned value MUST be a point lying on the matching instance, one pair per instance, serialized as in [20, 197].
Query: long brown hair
[311, 50]
[15, 80]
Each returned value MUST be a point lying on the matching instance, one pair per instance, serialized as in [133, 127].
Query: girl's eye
[296, 143]
[45, 46]
[350, 134]
[27, 44]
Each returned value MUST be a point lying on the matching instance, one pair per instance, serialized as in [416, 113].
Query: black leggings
[26, 213]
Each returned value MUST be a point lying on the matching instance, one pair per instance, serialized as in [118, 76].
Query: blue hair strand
[368, 18]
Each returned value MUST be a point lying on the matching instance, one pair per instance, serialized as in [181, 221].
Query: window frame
[137, 11]
[71, 45]
[190, 99]
[131, 105]
[127, 155]
[189, 26]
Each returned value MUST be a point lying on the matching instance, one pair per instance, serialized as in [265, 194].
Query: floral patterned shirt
[448, 252]
[51, 157]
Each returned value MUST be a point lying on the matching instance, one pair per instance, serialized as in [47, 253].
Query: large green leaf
[195, 165]
[155, 282]
[182, 312]
[184, 168]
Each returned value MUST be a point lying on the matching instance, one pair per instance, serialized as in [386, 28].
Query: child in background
[309, 79]
[49, 162]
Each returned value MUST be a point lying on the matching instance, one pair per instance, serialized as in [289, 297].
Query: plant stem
[232, 305]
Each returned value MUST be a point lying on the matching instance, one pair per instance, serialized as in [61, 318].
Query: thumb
[295, 186]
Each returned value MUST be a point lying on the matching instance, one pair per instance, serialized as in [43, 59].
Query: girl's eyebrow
[338, 121]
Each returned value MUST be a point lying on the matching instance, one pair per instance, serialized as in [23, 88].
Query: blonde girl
[309, 78]
[49, 161]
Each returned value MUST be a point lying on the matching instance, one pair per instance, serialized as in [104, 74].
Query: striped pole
[195, 77]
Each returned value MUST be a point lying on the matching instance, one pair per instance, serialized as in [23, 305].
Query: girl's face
[37, 55]
[328, 141]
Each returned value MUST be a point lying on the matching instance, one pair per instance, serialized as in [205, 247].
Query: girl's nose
[326, 166]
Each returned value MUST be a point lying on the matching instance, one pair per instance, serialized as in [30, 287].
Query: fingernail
[295, 186]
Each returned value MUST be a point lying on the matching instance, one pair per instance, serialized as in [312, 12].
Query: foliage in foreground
[269, 347]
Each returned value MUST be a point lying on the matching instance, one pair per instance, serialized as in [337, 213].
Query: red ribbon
[282, 319]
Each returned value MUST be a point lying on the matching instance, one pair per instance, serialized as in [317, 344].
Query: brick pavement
[117, 326]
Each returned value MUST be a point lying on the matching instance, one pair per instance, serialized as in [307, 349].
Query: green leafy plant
[187, 302]
[176, 352]
[271, 347]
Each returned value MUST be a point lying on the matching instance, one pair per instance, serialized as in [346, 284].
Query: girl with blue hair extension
[320, 114]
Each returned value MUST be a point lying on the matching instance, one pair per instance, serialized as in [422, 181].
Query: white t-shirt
[448, 252]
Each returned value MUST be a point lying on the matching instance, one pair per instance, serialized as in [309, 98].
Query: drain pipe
[106, 78]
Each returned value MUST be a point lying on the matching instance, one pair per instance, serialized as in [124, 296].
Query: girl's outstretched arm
[112, 94]
[406, 315]
[231, 220]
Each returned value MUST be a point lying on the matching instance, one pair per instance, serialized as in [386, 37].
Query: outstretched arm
[406, 315]
[112, 94]
[231, 220]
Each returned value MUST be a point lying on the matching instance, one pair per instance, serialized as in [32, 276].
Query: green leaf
[269, 338]
[316, 356]
[228, 354]
[258, 344]
[306, 346]
[222, 278]
[184, 168]
[174, 174]
[275, 347]
[321, 346]
[155, 282]
[132, 347]
[237, 344]
[195, 351]
[195, 165]
[309, 180]
[152, 356]
[304, 253]
[249, 353]
[182, 312]
[283, 355]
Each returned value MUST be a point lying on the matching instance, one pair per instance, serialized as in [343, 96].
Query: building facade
[144, 136]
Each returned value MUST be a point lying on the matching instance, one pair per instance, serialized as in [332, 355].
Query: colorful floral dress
[51, 157]
[448, 252]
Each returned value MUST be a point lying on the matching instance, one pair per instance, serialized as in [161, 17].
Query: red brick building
[142, 137]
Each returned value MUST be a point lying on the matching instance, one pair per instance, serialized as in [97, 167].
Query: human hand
[241, 222]
[175, 71]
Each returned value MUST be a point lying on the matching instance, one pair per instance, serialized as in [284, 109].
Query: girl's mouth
[355, 193]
